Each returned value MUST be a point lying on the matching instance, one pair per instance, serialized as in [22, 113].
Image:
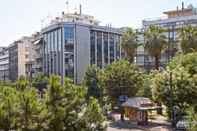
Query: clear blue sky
[23, 17]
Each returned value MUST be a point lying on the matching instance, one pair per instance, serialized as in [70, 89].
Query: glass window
[117, 47]
[51, 41]
[55, 40]
[59, 50]
[69, 34]
[105, 38]
[48, 42]
[111, 46]
[92, 47]
[59, 39]
[99, 49]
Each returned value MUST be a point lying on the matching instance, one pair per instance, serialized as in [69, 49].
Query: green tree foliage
[188, 39]
[67, 107]
[130, 44]
[122, 78]
[40, 82]
[192, 119]
[91, 81]
[8, 108]
[189, 64]
[177, 86]
[145, 90]
[62, 108]
[155, 43]
[188, 61]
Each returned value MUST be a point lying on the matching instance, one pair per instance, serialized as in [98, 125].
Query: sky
[23, 17]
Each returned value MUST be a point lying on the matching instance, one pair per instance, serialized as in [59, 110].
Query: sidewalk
[158, 124]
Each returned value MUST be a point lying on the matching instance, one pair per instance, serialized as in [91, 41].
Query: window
[117, 47]
[92, 47]
[111, 46]
[99, 49]
[105, 38]
[69, 34]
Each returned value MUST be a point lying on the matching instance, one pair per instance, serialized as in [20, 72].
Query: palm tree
[155, 43]
[129, 44]
[188, 39]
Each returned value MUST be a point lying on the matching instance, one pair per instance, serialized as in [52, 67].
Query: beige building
[20, 53]
[173, 21]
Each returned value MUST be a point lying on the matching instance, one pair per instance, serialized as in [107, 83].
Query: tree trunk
[156, 62]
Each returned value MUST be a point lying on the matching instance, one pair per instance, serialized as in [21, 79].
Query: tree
[188, 61]
[30, 107]
[192, 119]
[145, 90]
[94, 121]
[129, 44]
[188, 39]
[175, 88]
[155, 43]
[67, 107]
[63, 108]
[122, 78]
[8, 108]
[91, 81]
[40, 82]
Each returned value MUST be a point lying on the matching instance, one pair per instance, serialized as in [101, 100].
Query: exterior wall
[180, 13]
[82, 51]
[21, 59]
[13, 62]
[53, 51]
[20, 54]
[75, 53]
[4, 64]
[172, 25]
[37, 54]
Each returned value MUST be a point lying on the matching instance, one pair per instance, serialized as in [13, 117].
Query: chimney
[80, 9]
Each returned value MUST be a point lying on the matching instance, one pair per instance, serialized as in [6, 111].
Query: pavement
[158, 124]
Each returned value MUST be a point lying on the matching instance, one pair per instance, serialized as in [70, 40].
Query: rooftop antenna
[75, 10]
[177, 8]
[67, 6]
[183, 6]
[80, 9]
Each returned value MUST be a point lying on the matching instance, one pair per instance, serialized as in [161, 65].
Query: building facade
[4, 64]
[20, 54]
[172, 22]
[74, 42]
[36, 63]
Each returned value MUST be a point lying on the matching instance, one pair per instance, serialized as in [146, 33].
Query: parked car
[182, 125]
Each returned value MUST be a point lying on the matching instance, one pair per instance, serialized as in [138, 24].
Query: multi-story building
[20, 54]
[75, 41]
[4, 64]
[172, 22]
[35, 66]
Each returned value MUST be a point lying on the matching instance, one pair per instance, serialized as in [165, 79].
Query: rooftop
[75, 16]
[180, 14]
